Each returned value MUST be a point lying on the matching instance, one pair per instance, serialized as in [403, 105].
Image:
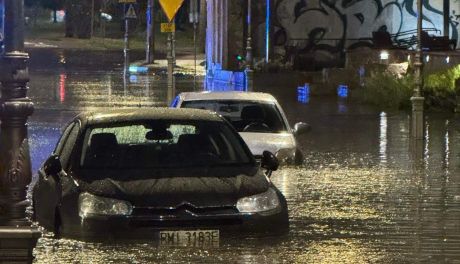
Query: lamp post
[17, 236]
[417, 99]
[249, 60]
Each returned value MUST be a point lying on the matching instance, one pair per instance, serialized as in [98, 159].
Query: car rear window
[245, 116]
[162, 143]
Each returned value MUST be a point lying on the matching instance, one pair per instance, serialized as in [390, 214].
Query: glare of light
[109, 17]
[383, 137]
[62, 78]
[447, 149]
[447, 59]
[427, 58]
[384, 55]
[133, 79]
[138, 69]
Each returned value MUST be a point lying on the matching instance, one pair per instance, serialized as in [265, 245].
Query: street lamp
[417, 99]
[17, 237]
[249, 60]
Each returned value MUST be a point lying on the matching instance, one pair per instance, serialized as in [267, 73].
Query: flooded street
[363, 195]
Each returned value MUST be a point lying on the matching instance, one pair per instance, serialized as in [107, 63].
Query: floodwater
[365, 194]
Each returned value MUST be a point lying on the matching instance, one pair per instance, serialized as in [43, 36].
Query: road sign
[131, 13]
[170, 7]
[168, 27]
[127, 1]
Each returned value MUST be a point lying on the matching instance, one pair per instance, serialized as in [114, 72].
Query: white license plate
[190, 238]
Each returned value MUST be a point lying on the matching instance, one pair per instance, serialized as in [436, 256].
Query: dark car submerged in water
[177, 175]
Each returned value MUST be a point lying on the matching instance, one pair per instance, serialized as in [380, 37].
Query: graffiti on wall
[323, 29]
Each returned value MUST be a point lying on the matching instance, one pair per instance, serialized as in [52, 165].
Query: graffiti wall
[320, 30]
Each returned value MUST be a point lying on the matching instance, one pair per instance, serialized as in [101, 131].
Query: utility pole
[126, 44]
[249, 59]
[171, 79]
[150, 43]
[417, 99]
[202, 26]
[17, 236]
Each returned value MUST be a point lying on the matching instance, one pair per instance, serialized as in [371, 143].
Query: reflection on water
[383, 137]
[346, 204]
[360, 197]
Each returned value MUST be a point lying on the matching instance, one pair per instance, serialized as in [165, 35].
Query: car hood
[162, 192]
[259, 142]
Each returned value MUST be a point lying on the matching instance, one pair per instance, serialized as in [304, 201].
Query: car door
[47, 191]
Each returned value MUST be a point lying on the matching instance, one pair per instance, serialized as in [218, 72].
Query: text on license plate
[190, 238]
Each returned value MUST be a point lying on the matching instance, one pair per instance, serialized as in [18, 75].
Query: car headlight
[263, 202]
[95, 205]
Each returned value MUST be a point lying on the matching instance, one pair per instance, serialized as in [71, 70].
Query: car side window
[63, 138]
[69, 144]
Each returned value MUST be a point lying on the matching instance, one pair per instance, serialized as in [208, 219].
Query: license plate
[190, 238]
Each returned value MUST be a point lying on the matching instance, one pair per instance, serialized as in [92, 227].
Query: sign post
[170, 8]
[130, 13]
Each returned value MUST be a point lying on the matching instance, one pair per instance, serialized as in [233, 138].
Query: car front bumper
[139, 227]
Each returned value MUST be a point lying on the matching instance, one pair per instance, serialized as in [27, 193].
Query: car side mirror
[52, 165]
[301, 128]
[269, 161]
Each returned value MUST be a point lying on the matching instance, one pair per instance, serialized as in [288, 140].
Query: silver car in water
[258, 117]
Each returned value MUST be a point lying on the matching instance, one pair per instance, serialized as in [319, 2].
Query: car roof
[231, 95]
[153, 113]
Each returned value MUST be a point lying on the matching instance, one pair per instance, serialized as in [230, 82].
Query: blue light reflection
[342, 91]
[303, 94]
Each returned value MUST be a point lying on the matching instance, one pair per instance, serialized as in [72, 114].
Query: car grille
[185, 216]
[183, 209]
[187, 223]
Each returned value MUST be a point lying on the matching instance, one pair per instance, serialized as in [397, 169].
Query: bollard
[417, 117]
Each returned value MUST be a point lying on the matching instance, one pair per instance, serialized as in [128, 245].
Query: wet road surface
[362, 196]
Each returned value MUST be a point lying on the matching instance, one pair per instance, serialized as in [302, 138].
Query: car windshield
[162, 143]
[245, 116]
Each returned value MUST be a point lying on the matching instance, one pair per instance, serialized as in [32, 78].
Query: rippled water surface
[365, 194]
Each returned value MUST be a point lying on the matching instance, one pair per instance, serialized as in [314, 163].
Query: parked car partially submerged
[182, 176]
[258, 117]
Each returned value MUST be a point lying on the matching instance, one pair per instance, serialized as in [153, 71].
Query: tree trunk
[202, 27]
[82, 21]
[54, 15]
[69, 28]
